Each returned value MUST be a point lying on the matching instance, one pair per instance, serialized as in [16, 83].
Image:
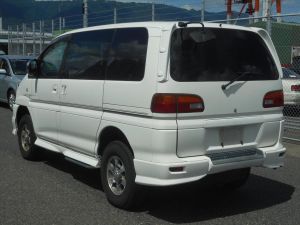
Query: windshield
[19, 66]
[213, 54]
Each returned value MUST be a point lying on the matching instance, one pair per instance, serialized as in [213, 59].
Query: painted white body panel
[80, 114]
[70, 120]
[44, 105]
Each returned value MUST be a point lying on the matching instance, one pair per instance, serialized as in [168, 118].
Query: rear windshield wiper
[224, 86]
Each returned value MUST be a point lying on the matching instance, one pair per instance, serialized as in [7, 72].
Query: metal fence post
[33, 39]
[23, 39]
[63, 23]
[85, 13]
[59, 25]
[18, 41]
[43, 34]
[203, 11]
[40, 37]
[8, 40]
[269, 22]
[52, 26]
[115, 15]
[153, 11]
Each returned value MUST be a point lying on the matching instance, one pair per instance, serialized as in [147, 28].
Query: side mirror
[32, 68]
[3, 71]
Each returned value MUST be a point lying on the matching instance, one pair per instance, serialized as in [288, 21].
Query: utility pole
[229, 11]
[268, 11]
[85, 13]
[203, 11]
[153, 11]
[256, 11]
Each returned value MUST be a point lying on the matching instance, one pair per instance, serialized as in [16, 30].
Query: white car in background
[291, 87]
[12, 71]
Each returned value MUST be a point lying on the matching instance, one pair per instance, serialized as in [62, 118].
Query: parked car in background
[291, 87]
[12, 71]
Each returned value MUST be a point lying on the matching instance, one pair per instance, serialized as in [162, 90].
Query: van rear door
[234, 73]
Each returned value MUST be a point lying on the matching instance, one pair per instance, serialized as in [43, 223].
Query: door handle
[63, 89]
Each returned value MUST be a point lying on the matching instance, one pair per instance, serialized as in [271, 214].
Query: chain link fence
[31, 39]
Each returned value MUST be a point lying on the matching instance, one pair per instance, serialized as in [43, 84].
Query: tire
[11, 98]
[26, 138]
[118, 175]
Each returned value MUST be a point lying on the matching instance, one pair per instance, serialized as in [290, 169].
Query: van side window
[127, 57]
[51, 60]
[85, 57]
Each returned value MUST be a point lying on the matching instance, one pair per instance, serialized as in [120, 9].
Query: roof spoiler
[185, 24]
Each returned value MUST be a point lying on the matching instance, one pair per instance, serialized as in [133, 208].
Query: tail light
[273, 99]
[295, 87]
[176, 103]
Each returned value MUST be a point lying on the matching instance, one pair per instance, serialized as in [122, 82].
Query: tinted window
[127, 57]
[51, 60]
[85, 57]
[219, 55]
[19, 66]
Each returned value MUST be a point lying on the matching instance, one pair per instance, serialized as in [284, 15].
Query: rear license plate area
[231, 135]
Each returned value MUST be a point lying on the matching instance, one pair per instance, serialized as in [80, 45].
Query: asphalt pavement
[52, 191]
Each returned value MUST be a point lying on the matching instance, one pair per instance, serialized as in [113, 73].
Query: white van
[155, 103]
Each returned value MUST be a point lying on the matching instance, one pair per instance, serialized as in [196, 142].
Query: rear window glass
[212, 54]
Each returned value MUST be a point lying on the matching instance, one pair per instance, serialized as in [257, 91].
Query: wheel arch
[22, 110]
[109, 134]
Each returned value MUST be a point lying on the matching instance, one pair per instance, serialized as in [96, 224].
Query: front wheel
[26, 138]
[118, 175]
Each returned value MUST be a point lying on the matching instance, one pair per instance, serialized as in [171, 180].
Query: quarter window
[127, 56]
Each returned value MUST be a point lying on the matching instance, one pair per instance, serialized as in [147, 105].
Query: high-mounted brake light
[273, 99]
[176, 103]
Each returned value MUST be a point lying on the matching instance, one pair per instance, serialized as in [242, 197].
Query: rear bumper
[195, 168]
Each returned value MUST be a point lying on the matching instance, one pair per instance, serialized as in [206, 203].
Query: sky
[288, 6]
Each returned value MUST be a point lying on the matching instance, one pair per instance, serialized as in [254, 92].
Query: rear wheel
[26, 137]
[11, 98]
[118, 175]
